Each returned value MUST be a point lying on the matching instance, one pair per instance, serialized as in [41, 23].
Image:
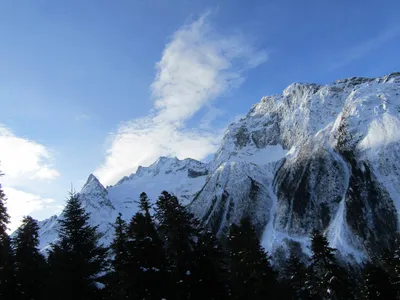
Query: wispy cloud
[363, 48]
[197, 66]
[23, 161]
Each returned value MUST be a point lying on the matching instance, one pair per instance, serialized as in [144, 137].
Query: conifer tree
[294, 274]
[146, 254]
[180, 231]
[377, 283]
[30, 264]
[251, 274]
[209, 274]
[7, 274]
[326, 279]
[76, 260]
[117, 280]
[4, 216]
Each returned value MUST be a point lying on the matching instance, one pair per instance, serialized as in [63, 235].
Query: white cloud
[23, 161]
[197, 66]
[20, 204]
[141, 142]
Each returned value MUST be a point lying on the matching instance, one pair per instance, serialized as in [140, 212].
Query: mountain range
[323, 157]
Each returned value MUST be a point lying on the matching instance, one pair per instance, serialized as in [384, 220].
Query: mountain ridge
[314, 157]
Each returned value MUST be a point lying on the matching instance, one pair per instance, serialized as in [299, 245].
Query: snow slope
[321, 157]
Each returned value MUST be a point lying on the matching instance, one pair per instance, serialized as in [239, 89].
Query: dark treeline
[169, 255]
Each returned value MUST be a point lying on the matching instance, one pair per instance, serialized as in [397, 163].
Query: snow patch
[338, 231]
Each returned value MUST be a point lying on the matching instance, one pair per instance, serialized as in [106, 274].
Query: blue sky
[105, 86]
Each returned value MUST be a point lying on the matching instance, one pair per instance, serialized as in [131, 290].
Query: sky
[105, 86]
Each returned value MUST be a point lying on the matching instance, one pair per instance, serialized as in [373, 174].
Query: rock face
[316, 157]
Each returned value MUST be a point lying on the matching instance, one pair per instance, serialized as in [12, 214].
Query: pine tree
[294, 274]
[117, 280]
[326, 279]
[209, 274]
[30, 264]
[147, 255]
[251, 274]
[180, 231]
[4, 217]
[7, 274]
[76, 260]
[377, 283]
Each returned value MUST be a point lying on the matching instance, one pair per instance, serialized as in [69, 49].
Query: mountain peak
[164, 166]
[92, 177]
[353, 81]
[92, 183]
[94, 194]
[301, 87]
[165, 159]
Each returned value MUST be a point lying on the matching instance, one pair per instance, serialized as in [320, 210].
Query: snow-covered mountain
[317, 156]
[181, 177]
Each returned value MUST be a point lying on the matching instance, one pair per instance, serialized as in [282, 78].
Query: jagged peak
[167, 162]
[172, 163]
[299, 86]
[269, 103]
[94, 194]
[395, 76]
[167, 165]
[91, 178]
[163, 160]
[354, 80]
[351, 81]
[91, 184]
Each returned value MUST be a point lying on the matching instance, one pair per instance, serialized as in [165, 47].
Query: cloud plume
[197, 66]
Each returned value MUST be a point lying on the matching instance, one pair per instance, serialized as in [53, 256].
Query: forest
[164, 252]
